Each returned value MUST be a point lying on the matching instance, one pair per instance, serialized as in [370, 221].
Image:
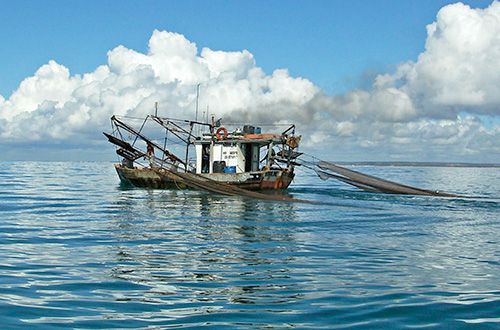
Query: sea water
[77, 250]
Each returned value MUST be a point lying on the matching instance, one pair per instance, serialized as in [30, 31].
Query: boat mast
[197, 96]
[191, 125]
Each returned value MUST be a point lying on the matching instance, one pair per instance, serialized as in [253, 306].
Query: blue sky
[370, 88]
[336, 44]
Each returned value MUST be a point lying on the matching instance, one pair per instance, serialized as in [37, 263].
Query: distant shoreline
[420, 164]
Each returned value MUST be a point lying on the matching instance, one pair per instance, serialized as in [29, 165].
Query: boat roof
[263, 139]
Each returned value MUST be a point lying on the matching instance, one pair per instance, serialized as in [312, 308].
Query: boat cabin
[237, 152]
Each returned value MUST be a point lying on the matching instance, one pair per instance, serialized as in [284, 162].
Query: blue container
[230, 169]
[257, 130]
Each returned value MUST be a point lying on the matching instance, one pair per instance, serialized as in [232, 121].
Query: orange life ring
[218, 135]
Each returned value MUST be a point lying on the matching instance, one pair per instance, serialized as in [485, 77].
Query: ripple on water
[78, 251]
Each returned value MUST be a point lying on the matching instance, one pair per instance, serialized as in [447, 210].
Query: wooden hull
[156, 179]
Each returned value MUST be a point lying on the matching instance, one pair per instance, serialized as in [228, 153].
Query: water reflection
[216, 250]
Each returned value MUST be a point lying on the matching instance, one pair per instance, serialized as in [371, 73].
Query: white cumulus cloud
[446, 102]
[54, 105]
[459, 68]
[439, 99]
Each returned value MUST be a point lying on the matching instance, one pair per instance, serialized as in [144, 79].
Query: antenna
[197, 96]
[156, 109]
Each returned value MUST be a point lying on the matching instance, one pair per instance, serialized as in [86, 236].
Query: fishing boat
[238, 155]
[229, 159]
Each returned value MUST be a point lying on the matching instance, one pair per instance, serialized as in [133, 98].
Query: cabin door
[205, 158]
[248, 157]
[252, 153]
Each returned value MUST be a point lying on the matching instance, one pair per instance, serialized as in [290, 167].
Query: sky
[364, 80]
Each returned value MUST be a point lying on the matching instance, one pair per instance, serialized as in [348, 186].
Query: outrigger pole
[176, 129]
[118, 123]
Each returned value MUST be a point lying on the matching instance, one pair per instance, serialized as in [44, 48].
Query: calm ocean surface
[78, 251]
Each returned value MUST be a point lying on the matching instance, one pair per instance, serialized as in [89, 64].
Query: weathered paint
[146, 177]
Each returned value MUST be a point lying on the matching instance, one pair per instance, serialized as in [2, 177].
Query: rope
[199, 182]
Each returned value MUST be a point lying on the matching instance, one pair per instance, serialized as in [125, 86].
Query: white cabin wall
[231, 154]
[199, 158]
[216, 153]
